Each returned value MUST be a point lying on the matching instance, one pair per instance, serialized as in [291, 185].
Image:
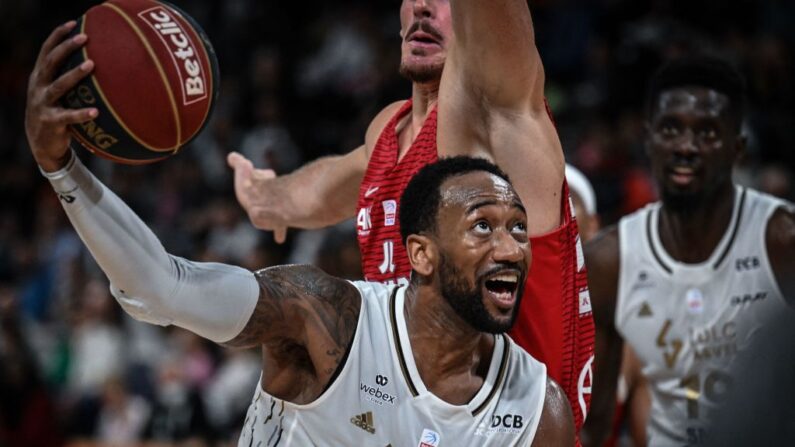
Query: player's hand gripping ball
[154, 83]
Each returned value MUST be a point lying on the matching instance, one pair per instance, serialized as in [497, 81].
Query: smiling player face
[484, 249]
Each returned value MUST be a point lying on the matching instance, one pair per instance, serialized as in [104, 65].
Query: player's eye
[709, 133]
[668, 130]
[482, 227]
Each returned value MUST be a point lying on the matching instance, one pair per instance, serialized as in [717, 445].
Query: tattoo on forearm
[294, 297]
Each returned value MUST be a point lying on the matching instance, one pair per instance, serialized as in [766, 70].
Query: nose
[508, 249]
[423, 9]
[686, 144]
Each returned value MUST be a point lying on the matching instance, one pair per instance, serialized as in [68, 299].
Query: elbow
[142, 308]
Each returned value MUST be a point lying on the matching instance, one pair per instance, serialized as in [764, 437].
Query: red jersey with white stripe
[554, 323]
[384, 258]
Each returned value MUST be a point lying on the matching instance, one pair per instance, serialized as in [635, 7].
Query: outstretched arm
[152, 285]
[295, 306]
[602, 260]
[491, 102]
[321, 193]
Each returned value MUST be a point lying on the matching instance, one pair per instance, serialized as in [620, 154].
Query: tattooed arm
[305, 321]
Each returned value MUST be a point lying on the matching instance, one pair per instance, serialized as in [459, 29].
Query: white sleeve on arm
[212, 300]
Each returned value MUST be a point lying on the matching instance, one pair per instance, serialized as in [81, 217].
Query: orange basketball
[154, 83]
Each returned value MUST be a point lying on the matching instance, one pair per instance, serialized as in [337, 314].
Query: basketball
[154, 83]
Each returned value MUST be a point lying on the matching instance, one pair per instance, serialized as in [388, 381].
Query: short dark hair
[419, 203]
[702, 71]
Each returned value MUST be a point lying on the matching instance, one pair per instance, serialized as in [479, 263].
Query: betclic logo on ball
[182, 51]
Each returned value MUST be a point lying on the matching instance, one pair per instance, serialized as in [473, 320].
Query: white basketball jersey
[687, 322]
[379, 399]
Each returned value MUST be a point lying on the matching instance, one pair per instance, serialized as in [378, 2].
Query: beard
[682, 202]
[422, 74]
[467, 302]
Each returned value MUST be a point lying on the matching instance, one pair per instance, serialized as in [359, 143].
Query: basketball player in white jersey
[342, 363]
[688, 281]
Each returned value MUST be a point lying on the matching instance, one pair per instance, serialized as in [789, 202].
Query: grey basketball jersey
[379, 399]
[686, 322]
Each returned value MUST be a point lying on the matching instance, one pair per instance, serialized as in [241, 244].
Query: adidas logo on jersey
[645, 310]
[364, 421]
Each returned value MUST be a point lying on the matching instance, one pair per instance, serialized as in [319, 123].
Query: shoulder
[306, 284]
[603, 260]
[380, 121]
[602, 253]
[781, 225]
[557, 423]
[780, 243]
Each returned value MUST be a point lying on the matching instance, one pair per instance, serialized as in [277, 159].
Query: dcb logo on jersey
[429, 438]
[747, 263]
[501, 423]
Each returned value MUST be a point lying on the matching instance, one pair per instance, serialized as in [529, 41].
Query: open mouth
[501, 288]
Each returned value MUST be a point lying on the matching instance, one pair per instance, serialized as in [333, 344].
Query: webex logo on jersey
[374, 393]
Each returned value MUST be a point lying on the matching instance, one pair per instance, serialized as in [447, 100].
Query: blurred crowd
[300, 80]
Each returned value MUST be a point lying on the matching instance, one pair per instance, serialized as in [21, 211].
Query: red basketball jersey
[554, 323]
[384, 258]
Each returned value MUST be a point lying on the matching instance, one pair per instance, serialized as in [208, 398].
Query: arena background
[301, 80]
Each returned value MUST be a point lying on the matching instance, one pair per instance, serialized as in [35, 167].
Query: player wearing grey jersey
[690, 280]
[460, 379]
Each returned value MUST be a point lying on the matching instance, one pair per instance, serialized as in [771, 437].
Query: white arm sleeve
[212, 300]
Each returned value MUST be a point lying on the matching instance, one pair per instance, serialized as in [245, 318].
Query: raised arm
[313, 314]
[491, 102]
[602, 260]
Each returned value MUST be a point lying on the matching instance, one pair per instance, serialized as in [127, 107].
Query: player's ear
[423, 254]
[740, 147]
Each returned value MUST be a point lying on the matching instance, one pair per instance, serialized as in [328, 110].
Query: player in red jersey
[478, 86]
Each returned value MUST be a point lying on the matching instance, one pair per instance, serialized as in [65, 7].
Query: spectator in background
[25, 401]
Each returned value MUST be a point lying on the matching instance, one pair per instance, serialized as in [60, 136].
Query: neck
[451, 356]
[690, 236]
[423, 98]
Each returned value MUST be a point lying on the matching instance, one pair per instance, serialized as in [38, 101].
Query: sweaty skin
[304, 319]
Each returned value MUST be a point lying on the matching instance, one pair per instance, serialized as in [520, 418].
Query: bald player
[478, 90]
[343, 363]
[689, 281]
